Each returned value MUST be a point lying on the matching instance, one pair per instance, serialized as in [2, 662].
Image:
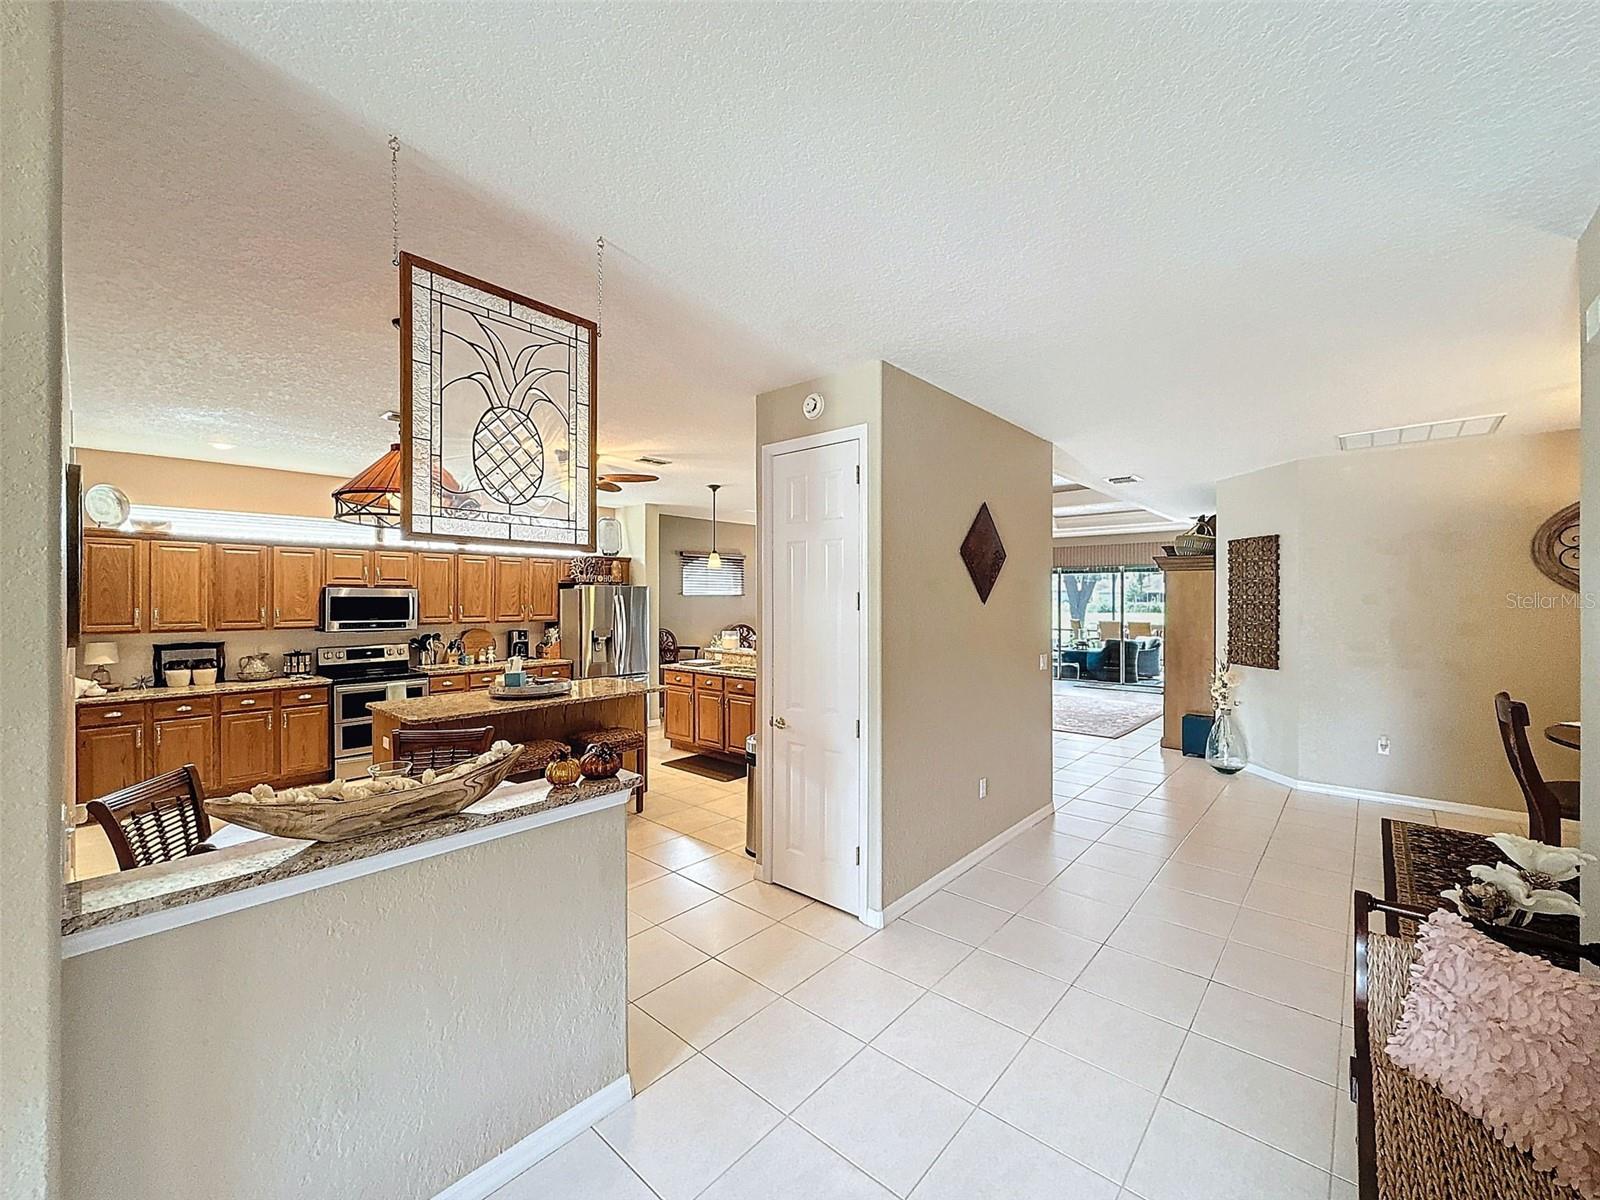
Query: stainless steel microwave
[353, 609]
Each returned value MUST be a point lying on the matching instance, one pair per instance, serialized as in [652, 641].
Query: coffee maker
[517, 643]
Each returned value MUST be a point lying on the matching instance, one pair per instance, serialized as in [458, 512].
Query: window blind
[699, 579]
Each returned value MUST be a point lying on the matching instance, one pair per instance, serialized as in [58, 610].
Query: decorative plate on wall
[1253, 602]
[497, 395]
[1555, 548]
[983, 553]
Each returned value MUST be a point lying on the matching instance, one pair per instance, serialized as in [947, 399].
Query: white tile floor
[1144, 996]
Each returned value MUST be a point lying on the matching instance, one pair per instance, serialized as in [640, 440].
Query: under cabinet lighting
[212, 524]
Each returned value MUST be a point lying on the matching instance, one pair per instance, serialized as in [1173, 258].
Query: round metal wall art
[1555, 548]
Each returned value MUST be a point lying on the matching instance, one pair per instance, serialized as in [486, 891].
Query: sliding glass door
[1108, 626]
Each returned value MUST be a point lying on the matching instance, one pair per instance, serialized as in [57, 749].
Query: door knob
[779, 723]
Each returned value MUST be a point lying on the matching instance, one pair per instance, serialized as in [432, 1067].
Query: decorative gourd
[562, 771]
[600, 762]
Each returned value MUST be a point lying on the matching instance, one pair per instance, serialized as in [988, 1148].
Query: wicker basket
[335, 820]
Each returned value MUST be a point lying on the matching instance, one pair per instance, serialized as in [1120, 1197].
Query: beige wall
[190, 483]
[963, 695]
[955, 692]
[33, 723]
[1588, 290]
[1408, 599]
[696, 619]
[373, 1040]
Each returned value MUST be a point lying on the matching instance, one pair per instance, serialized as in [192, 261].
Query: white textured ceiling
[1179, 241]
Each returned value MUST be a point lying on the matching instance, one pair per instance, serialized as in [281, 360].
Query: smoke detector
[1427, 431]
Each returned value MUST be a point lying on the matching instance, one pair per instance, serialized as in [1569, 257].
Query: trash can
[752, 801]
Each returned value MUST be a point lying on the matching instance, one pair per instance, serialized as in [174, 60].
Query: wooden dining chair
[747, 635]
[438, 749]
[155, 821]
[669, 645]
[1548, 800]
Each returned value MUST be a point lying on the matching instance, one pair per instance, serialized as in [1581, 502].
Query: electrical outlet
[1044, 662]
[983, 788]
[1383, 743]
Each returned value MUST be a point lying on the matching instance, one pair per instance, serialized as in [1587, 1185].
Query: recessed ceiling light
[222, 445]
[1124, 478]
[1427, 431]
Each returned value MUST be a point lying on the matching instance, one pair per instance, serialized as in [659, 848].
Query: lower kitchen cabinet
[247, 749]
[707, 713]
[304, 749]
[177, 741]
[110, 757]
[677, 714]
[708, 725]
[740, 722]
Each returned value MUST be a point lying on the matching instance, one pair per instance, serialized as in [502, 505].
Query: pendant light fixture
[714, 560]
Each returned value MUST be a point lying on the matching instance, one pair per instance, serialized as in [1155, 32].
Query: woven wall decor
[983, 553]
[1555, 548]
[1253, 602]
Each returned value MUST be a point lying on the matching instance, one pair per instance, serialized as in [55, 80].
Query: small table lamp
[100, 655]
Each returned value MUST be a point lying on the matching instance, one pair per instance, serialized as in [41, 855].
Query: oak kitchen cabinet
[180, 587]
[543, 598]
[241, 586]
[184, 731]
[110, 746]
[394, 568]
[296, 587]
[111, 598]
[436, 588]
[707, 713]
[247, 746]
[474, 589]
[305, 750]
[344, 567]
[510, 588]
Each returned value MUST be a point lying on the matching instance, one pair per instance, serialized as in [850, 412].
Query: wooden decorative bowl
[332, 819]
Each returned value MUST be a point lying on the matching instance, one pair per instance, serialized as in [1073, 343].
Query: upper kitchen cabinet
[112, 596]
[475, 588]
[436, 588]
[543, 596]
[346, 568]
[296, 587]
[394, 568]
[241, 587]
[510, 589]
[180, 587]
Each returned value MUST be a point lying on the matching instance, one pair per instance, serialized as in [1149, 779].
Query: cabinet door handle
[138, 737]
[246, 703]
[277, 615]
[185, 708]
[158, 735]
[114, 714]
[263, 614]
[303, 696]
[136, 616]
[269, 722]
[156, 615]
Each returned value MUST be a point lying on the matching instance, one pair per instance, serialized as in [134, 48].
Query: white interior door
[813, 730]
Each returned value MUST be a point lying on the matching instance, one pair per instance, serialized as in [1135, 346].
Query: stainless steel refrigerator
[605, 630]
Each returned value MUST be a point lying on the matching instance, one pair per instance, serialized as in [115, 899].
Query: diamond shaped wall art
[497, 413]
[983, 553]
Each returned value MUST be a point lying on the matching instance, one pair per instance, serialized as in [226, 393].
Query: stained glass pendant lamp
[372, 497]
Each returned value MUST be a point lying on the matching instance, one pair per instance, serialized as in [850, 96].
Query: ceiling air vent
[1124, 478]
[1429, 431]
[652, 460]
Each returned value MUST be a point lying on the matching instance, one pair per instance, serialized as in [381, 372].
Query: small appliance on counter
[184, 657]
[297, 663]
[517, 643]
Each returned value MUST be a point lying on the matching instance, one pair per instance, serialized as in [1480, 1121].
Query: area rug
[707, 767]
[1102, 712]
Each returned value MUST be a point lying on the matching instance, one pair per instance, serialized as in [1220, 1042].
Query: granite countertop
[497, 665]
[452, 706]
[140, 695]
[730, 672]
[262, 859]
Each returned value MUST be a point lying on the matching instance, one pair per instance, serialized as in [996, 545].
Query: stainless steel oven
[363, 675]
[368, 609]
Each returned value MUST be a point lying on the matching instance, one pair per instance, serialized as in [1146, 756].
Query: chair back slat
[155, 821]
[1544, 806]
[439, 749]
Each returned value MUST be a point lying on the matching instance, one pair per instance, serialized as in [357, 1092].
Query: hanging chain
[599, 284]
[394, 190]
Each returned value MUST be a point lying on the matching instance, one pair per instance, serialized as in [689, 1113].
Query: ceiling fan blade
[626, 477]
[606, 486]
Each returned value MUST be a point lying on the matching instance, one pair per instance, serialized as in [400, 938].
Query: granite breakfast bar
[470, 971]
[590, 704]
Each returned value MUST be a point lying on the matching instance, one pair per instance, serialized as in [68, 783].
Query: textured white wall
[373, 1040]
[33, 726]
[1408, 599]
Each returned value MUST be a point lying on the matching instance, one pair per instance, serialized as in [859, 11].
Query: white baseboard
[1400, 798]
[878, 919]
[549, 1137]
